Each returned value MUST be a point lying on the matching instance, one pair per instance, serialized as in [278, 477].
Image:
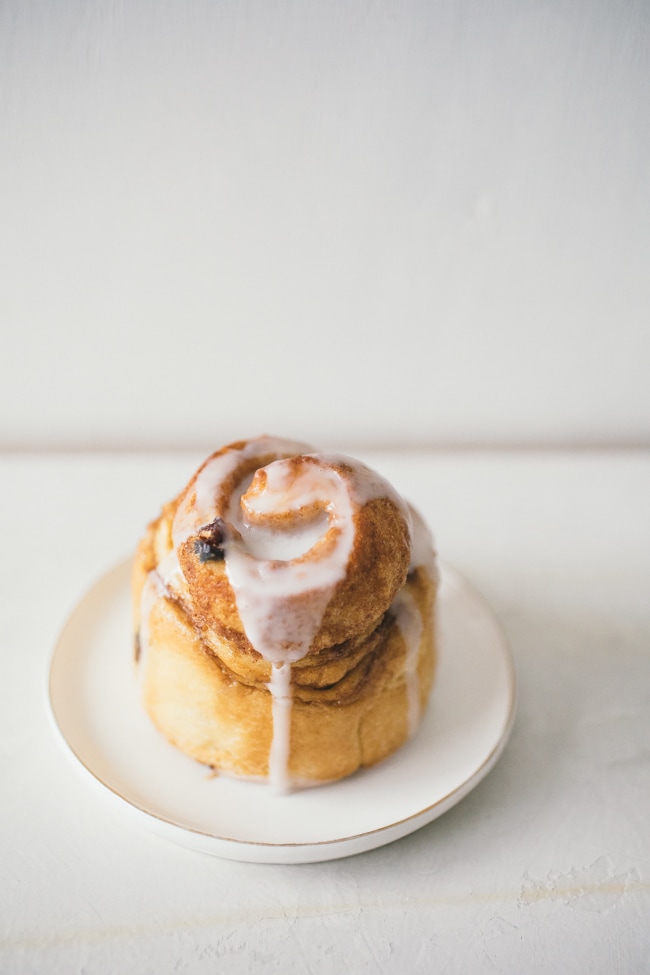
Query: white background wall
[390, 222]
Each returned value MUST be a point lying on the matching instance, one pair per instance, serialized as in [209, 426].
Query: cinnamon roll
[284, 615]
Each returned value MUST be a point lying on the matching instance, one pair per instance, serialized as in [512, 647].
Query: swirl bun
[280, 611]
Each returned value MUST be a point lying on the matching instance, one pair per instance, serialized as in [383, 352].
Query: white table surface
[544, 867]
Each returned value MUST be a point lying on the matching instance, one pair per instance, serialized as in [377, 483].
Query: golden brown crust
[359, 685]
[217, 718]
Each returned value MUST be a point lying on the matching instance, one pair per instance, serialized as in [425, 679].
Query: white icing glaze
[153, 588]
[409, 620]
[422, 547]
[200, 506]
[169, 571]
[282, 704]
[280, 628]
[408, 616]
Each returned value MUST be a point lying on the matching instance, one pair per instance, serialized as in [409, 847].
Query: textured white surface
[544, 867]
[438, 213]
[103, 728]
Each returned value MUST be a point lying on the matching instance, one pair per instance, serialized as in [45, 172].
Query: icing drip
[281, 704]
[170, 575]
[422, 548]
[409, 621]
[154, 587]
[266, 581]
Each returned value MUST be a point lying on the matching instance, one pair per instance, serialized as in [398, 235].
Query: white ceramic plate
[94, 703]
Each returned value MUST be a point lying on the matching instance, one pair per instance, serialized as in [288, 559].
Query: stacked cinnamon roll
[284, 613]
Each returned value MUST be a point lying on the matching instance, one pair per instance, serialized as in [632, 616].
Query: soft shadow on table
[563, 740]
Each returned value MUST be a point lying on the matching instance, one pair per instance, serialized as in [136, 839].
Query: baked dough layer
[356, 692]
[208, 711]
